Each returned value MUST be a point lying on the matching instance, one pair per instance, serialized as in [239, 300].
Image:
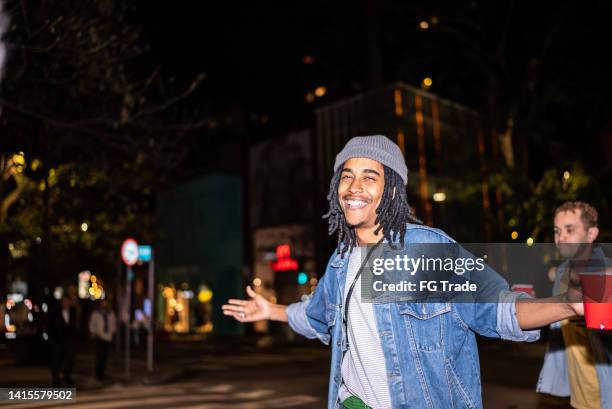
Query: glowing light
[286, 264]
[514, 235]
[320, 91]
[439, 197]
[302, 278]
[283, 261]
[18, 160]
[205, 295]
[45, 307]
[309, 97]
[424, 25]
[178, 307]
[283, 250]
[566, 175]
[84, 226]
[257, 282]
[308, 59]
[172, 302]
[30, 317]
[93, 279]
[530, 241]
[35, 164]
[427, 82]
[92, 291]
[168, 292]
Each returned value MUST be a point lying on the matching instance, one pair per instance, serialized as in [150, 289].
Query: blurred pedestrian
[102, 326]
[62, 327]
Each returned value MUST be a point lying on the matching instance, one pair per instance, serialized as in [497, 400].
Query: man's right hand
[255, 309]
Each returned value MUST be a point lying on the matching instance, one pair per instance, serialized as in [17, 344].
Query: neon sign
[283, 261]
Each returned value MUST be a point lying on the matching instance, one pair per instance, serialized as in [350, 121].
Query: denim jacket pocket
[425, 323]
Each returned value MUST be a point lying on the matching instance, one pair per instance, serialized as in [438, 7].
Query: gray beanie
[375, 147]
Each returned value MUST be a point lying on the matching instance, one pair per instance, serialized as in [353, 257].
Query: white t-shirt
[364, 373]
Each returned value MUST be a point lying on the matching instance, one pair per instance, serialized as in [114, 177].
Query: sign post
[129, 255]
[145, 254]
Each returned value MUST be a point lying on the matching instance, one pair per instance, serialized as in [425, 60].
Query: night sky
[549, 56]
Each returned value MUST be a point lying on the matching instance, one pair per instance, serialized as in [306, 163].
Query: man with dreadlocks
[397, 354]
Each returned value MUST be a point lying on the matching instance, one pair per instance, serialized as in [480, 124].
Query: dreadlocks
[392, 213]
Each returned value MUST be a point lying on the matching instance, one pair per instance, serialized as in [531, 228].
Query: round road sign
[129, 252]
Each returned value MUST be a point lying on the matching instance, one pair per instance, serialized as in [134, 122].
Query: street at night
[195, 375]
[376, 204]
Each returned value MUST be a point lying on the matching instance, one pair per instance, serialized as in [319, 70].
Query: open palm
[257, 308]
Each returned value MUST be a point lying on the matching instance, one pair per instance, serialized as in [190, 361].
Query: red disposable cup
[524, 288]
[597, 297]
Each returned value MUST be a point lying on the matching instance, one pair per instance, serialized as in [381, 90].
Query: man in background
[577, 363]
[102, 326]
[62, 340]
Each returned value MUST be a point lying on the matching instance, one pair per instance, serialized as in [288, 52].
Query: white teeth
[356, 204]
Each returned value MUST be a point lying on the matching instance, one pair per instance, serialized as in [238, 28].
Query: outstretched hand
[257, 308]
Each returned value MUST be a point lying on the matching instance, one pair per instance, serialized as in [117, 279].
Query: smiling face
[360, 191]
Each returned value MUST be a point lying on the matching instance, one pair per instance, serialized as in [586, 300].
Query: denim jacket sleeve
[308, 318]
[507, 323]
[494, 313]
[298, 320]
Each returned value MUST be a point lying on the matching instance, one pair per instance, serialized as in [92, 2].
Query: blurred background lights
[320, 91]
[302, 278]
[439, 197]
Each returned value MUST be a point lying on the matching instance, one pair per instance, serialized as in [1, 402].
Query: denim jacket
[430, 348]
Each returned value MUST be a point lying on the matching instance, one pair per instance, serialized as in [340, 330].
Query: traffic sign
[144, 253]
[129, 252]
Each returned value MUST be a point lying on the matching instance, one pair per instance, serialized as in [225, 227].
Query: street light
[84, 227]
